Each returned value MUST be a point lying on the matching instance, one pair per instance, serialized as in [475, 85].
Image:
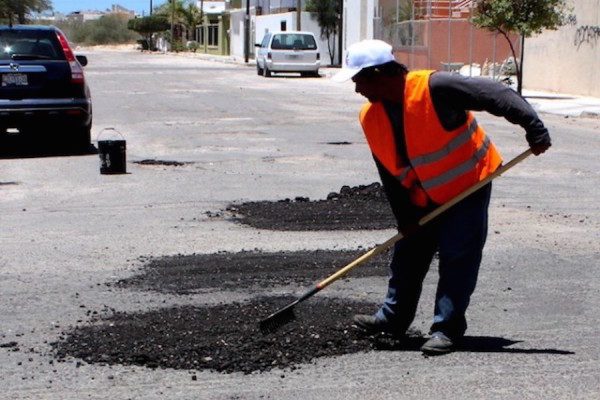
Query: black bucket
[112, 152]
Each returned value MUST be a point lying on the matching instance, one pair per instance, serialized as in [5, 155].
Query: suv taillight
[76, 69]
[269, 56]
[318, 56]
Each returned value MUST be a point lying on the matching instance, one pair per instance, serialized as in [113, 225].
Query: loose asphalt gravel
[352, 208]
[226, 338]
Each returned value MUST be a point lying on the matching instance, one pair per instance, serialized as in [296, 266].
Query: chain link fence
[429, 34]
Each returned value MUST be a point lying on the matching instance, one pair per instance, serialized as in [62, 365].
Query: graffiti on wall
[571, 20]
[587, 34]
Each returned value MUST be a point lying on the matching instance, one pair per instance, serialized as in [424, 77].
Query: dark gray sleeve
[454, 94]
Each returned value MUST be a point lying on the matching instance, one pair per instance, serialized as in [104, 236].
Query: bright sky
[139, 6]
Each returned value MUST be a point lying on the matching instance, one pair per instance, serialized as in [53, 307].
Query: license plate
[14, 80]
[292, 56]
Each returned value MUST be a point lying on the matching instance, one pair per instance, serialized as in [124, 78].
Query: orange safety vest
[441, 163]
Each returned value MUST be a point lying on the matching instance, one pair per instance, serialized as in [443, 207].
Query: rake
[286, 314]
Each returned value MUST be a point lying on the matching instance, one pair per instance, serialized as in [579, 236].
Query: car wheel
[267, 72]
[259, 70]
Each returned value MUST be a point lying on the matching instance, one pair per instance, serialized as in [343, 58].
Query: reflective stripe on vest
[458, 141]
[459, 169]
[444, 163]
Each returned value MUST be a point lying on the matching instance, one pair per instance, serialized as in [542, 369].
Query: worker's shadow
[469, 344]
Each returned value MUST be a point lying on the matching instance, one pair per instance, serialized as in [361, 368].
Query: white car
[291, 51]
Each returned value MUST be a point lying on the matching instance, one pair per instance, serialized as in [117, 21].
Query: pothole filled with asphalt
[223, 338]
[167, 163]
[363, 207]
[226, 337]
[250, 271]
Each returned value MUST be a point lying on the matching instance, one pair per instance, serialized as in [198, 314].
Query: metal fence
[440, 35]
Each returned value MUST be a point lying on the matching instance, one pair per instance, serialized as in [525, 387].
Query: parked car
[291, 51]
[43, 91]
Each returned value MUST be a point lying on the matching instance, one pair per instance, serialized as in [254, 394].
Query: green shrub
[108, 29]
[147, 27]
[193, 46]
[178, 46]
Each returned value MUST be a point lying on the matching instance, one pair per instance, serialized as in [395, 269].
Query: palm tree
[183, 13]
[190, 18]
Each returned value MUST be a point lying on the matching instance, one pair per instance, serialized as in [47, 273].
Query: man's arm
[453, 95]
[407, 214]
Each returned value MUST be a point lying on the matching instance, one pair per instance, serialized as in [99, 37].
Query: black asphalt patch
[222, 338]
[167, 163]
[248, 270]
[363, 207]
[226, 338]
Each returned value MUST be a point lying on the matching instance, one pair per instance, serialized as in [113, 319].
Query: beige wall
[567, 60]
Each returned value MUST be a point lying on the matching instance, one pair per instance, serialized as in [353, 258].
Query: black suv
[43, 92]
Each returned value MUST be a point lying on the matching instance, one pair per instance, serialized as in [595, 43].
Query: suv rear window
[29, 45]
[293, 41]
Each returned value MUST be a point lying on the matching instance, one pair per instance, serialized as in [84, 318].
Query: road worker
[428, 147]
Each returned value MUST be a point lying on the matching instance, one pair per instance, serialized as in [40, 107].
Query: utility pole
[172, 23]
[247, 32]
[340, 34]
[150, 7]
[298, 15]
[520, 65]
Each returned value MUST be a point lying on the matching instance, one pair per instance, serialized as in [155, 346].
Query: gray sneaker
[438, 344]
[371, 325]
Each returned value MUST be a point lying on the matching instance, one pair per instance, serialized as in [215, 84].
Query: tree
[108, 29]
[19, 10]
[328, 16]
[525, 17]
[190, 18]
[180, 15]
[147, 26]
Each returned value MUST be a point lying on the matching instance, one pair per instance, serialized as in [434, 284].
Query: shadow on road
[469, 344]
[12, 148]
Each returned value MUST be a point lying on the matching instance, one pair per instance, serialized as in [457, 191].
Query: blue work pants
[459, 236]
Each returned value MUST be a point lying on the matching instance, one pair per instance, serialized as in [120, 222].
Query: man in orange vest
[428, 147]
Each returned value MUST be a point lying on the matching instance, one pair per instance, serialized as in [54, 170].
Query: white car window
[265, 41]
[293, 41]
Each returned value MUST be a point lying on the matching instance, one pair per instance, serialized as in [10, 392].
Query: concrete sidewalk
[542, 101]
[562, 104]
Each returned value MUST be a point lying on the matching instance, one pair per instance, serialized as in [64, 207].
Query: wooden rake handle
[391, 241]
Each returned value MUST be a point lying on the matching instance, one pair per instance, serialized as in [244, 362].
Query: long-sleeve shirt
[453, 96]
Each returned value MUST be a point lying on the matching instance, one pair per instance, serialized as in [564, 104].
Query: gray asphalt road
[66, 230]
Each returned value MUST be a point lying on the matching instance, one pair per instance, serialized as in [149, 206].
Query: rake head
[276, 320]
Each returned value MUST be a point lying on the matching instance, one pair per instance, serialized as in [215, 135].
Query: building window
[200, 35]
[213, 34]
